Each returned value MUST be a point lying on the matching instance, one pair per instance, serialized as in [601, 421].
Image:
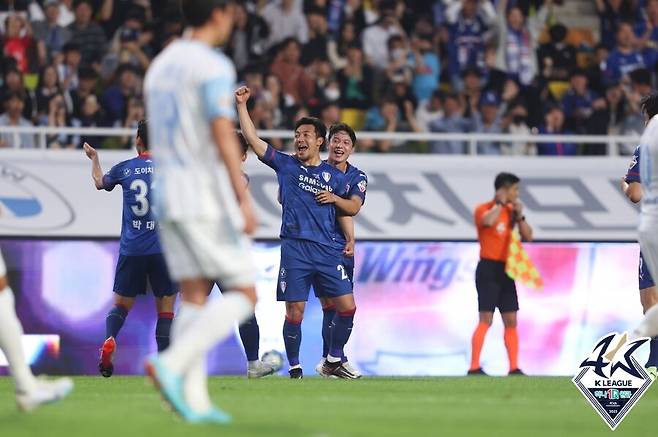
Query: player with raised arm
[311, 249]
[342, 140]
[632, 188]
[204, 212]
[30, 391]
[140, 256]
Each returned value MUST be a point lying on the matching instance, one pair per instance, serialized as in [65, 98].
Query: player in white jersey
[30, 391]
[203, 209]
[648, 228]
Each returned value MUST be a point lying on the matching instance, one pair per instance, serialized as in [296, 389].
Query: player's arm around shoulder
[347, 202]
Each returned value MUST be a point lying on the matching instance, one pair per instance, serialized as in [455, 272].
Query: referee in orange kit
[495, 220]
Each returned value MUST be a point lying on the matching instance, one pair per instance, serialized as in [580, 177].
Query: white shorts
[207, 249]
[648, 238]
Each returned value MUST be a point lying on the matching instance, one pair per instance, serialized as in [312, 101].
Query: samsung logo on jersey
[313, 185]
[29, 203]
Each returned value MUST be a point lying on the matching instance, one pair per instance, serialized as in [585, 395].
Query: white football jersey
[648, 168]
[187, 86]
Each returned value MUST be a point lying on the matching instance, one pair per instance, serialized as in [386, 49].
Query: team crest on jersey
[611, 379]
[126, 172]
[500, 228]
[326, 176]
[362, 186]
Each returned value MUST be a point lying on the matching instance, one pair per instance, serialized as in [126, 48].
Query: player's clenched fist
[242, 94]
[90, 151]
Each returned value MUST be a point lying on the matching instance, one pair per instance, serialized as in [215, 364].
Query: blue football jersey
[138, 233]
[303, 217]
[633, 173]
[357, 185]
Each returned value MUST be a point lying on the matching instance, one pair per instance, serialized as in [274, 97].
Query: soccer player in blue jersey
[632, 188]
[311, 249]
[140, 256]
[342, 140]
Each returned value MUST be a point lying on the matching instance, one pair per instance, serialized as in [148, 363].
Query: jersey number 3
[142, 190]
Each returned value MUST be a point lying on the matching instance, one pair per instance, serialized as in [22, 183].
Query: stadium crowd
[505, 66]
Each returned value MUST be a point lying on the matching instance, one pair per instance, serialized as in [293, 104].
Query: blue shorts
[305, 263]
[645, 279]
[348, 262]
[133, 273]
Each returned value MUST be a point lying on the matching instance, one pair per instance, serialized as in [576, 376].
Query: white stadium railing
[610, 142]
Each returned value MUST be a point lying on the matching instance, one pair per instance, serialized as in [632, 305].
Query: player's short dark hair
[143, 132]
[343, 127]
[649, 105]
[320, 128]
[244, 145]
[197, 12]
[504, 180]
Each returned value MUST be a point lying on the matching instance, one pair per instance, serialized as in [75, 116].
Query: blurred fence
[611, 145]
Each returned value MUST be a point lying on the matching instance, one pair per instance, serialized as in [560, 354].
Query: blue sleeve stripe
[217, 97]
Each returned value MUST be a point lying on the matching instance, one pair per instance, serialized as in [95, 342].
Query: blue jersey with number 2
[138, 233]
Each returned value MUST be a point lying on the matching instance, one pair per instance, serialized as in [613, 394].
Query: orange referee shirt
[494, 240]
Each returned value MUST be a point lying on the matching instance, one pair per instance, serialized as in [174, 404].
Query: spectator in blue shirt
[467, 40]
[624, 58]
[488, 120]
[579, 102]
[554, 125]
[453, 121]
[426, 67]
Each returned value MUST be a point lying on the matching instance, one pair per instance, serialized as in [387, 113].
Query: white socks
[11, 332]
[195, 384]
[195, 330]
[649, 325]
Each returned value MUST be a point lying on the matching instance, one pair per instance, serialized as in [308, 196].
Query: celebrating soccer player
[140, 256]
[311, 248]
[204, 212]
[495, 221]
[30, 391]
[342, 140]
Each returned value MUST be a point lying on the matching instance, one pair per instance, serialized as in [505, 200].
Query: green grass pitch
[477, 406]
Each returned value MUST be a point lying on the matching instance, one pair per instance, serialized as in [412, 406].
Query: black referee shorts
[495, 288]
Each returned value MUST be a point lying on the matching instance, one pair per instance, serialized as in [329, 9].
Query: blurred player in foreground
[30, 391]
[249, 330]
[310, 247]
[632, 188]
[140, 256]
[203, 209]
[342, 140]
[495, 221]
